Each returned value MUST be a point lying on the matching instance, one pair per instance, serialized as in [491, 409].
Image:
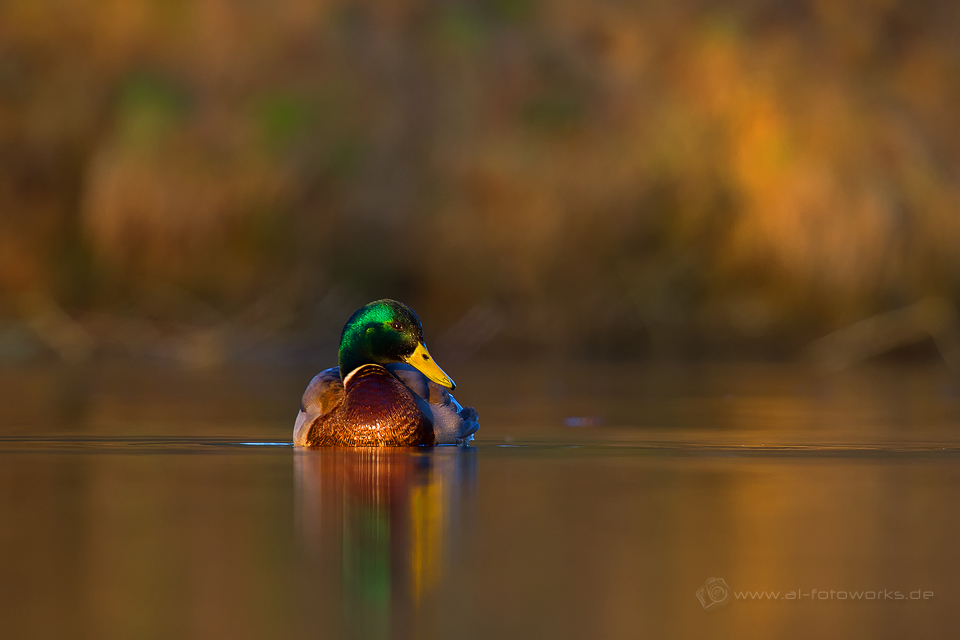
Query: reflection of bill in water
[378, 526]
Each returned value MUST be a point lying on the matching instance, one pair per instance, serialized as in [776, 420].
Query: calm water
[597, 503]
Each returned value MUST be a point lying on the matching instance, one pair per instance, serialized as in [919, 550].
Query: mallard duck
[393, 394]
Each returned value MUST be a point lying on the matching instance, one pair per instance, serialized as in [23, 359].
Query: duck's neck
[354, 350]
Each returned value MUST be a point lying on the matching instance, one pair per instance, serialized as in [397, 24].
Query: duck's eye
[396, 326]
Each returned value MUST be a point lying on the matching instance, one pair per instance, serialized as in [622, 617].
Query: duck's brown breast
[376, 410]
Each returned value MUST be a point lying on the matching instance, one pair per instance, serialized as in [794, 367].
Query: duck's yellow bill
[423, 361]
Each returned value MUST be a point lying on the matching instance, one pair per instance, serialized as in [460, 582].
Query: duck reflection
[379, 526]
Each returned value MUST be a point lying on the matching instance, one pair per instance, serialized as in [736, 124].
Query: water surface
[598, 501]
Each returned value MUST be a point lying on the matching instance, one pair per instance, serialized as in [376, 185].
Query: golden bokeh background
[213, 180]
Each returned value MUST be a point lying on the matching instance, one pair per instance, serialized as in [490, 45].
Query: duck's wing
[452, 423]
[323, 393]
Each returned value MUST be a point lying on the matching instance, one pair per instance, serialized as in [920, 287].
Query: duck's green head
[383, 332]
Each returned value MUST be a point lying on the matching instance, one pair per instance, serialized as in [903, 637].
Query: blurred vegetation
[200, 178]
